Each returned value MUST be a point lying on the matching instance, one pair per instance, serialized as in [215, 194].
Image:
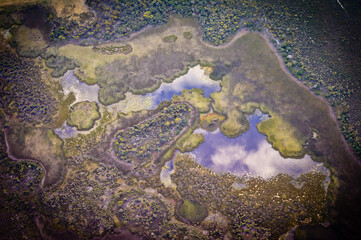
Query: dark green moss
[170, 38]
[192, 211]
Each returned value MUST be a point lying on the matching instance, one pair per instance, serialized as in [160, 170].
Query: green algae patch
[282, 136]
[189, 142]
[60, 65]
[195, 98]
[83, 115]
[41, 145]
[220, 99]
[191, 211]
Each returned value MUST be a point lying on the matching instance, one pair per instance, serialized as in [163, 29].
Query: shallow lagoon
[82, 91]
[195, 78]
[66, 131]
[247, 155]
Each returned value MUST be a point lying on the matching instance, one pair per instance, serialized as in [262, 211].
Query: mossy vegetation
[195, 97]
[249, 108]
[118, 77]
[189, 142]
[188, 35]
[219, 71]
[30, 42]
[211, 121]
[235, 124]
[192, 211]
[81, 143]
[170, 39]
[83, 115]
[111, 49]
[282, 136]
[63, 110]
[60, 64]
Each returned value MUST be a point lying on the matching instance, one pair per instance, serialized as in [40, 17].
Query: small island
[83, 115]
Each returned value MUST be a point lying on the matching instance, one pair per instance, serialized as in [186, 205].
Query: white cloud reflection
[195, 78]
[82, 91]
[265, 162]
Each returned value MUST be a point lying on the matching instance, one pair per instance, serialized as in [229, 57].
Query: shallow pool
[82, 91]
[249, 154]
[195, 78]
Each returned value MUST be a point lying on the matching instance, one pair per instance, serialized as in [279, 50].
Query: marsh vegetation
[83, 115]
[107, 180]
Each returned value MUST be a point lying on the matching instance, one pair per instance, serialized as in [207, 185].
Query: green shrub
[60, 64]
[170, 38]
[187, 35]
